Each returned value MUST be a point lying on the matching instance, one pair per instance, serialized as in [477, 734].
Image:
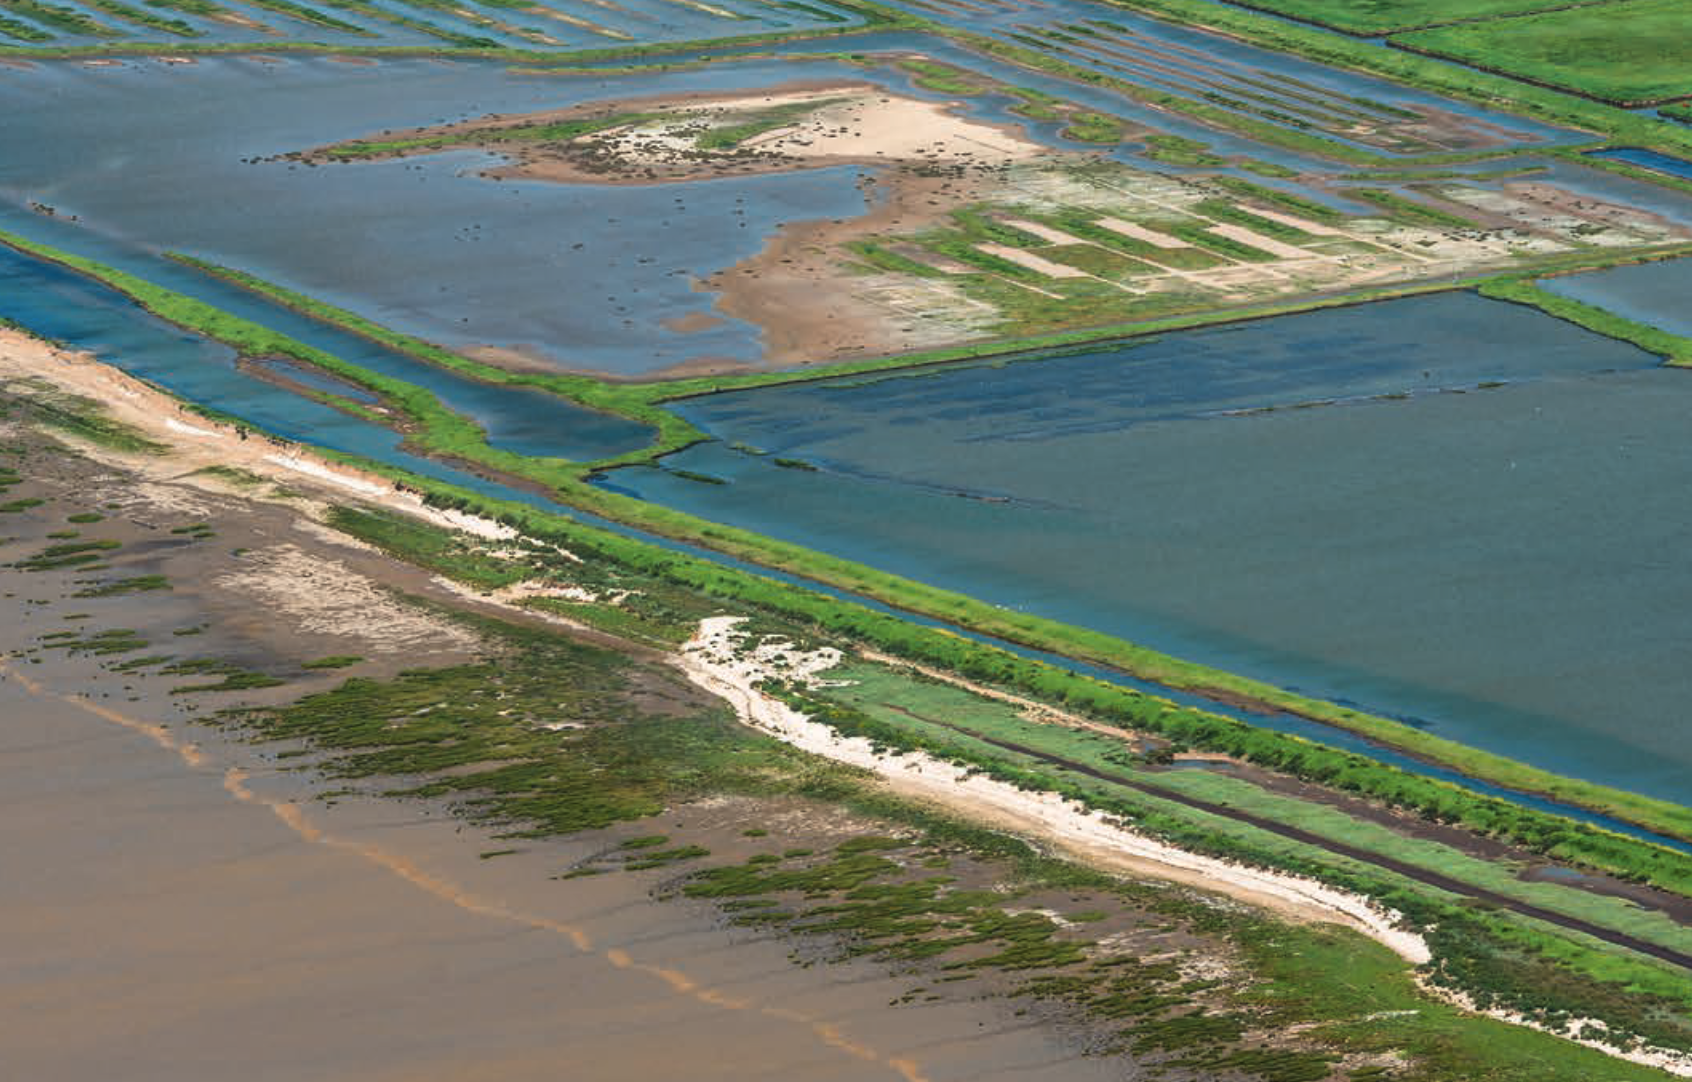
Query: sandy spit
[710, 660]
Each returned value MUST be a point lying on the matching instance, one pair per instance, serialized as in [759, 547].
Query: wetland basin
[1522, 536]
[1653, 293]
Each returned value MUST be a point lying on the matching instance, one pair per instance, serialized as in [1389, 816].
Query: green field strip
[1628, 52]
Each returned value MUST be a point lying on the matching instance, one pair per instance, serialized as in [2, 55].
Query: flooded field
[1181, 499]
[565, 25]
[1654, 293]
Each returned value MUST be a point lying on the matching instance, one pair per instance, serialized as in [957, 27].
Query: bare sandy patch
[1315, 229]
[1260, 242]
[1033, 262]
[325, 597]
[716, 660]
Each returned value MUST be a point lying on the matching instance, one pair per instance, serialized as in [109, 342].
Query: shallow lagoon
[584, 274]
[84, 315]
[1499, 565]
[1654, 293]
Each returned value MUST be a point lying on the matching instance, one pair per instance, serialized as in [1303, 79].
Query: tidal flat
[1261, 524]
[200, 904]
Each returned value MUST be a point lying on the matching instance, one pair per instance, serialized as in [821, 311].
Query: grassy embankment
[1630, 52]
[444, 432]
[989, 729]
[1677, 348]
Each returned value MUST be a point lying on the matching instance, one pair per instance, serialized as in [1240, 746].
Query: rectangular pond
[1459, 512]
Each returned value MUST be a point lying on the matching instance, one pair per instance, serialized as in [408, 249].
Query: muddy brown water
[175, 906]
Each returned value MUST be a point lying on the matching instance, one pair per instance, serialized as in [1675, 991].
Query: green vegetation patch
[136, 584]
[67, 554]
[757, 122]
[117, 640]
[1376, 17]
[230, 676]
[333, 661]
[1632, 52]
[478, 733]
[180, 27]
[22, 31]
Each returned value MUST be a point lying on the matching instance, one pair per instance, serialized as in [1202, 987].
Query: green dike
[443, 432]
[909, 700]
[632, 401]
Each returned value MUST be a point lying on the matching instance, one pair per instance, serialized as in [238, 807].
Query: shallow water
[629, 22]
[584, 274]
[1520, 537]
[1650, 159]
[1656, 293]
[156, 928]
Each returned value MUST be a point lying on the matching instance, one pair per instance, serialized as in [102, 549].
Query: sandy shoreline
[712, 660]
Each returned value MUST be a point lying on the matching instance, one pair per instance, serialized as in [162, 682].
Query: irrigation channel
[84, 314]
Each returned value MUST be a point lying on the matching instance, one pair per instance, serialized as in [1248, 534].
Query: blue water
[639, 21]
[582, 276]
[1520, 537]
[1650, 159]
[517, 419]
[84, 315]
[1659, 294]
